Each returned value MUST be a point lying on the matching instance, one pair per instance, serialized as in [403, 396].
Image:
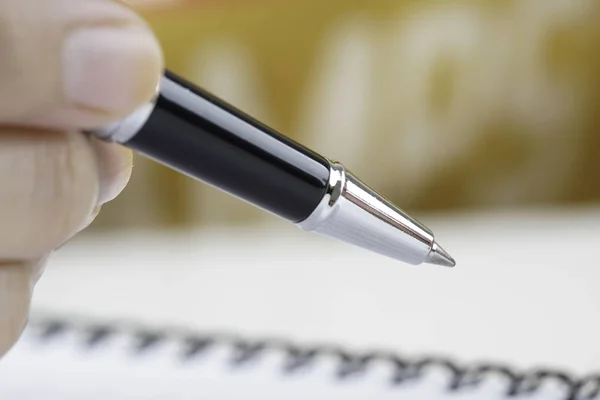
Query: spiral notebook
[68, 360]
[519, 318]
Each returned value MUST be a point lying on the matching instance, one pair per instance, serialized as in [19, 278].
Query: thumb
[74, 63]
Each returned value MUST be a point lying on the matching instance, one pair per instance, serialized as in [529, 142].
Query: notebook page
[524, 294]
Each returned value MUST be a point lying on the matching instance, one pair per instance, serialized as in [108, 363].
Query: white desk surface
[526, 290]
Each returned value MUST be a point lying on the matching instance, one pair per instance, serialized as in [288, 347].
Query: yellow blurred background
[439, 105]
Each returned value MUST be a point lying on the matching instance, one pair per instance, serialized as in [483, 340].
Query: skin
[65, 66]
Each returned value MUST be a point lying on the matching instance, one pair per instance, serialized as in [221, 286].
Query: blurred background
[439, 105]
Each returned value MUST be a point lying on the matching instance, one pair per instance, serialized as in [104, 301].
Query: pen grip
[196, 133]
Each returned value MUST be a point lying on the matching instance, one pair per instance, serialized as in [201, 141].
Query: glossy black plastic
[200, 135]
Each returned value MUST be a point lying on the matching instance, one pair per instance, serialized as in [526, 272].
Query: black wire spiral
[350, 365]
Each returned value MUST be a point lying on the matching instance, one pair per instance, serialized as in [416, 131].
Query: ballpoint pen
[195, 133]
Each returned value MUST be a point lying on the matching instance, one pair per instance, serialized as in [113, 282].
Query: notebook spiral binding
[298, 357]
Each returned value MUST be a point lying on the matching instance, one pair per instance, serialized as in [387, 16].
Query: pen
[192, 131]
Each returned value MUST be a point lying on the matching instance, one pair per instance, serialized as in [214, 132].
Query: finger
[74, 63]
[114, 167]
[15, 298]
[49, 187]
[18, 278]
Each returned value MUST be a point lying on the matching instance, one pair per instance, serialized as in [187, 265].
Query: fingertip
[115, 164]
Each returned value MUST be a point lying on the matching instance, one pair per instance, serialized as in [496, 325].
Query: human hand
[65, 65]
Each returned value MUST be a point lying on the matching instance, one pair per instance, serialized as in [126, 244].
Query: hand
[65, 65]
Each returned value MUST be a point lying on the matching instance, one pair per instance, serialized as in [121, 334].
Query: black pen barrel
[192, 131]
[196, 133]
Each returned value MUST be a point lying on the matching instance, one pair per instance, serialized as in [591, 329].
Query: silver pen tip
[354, 213]
[439, 256]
